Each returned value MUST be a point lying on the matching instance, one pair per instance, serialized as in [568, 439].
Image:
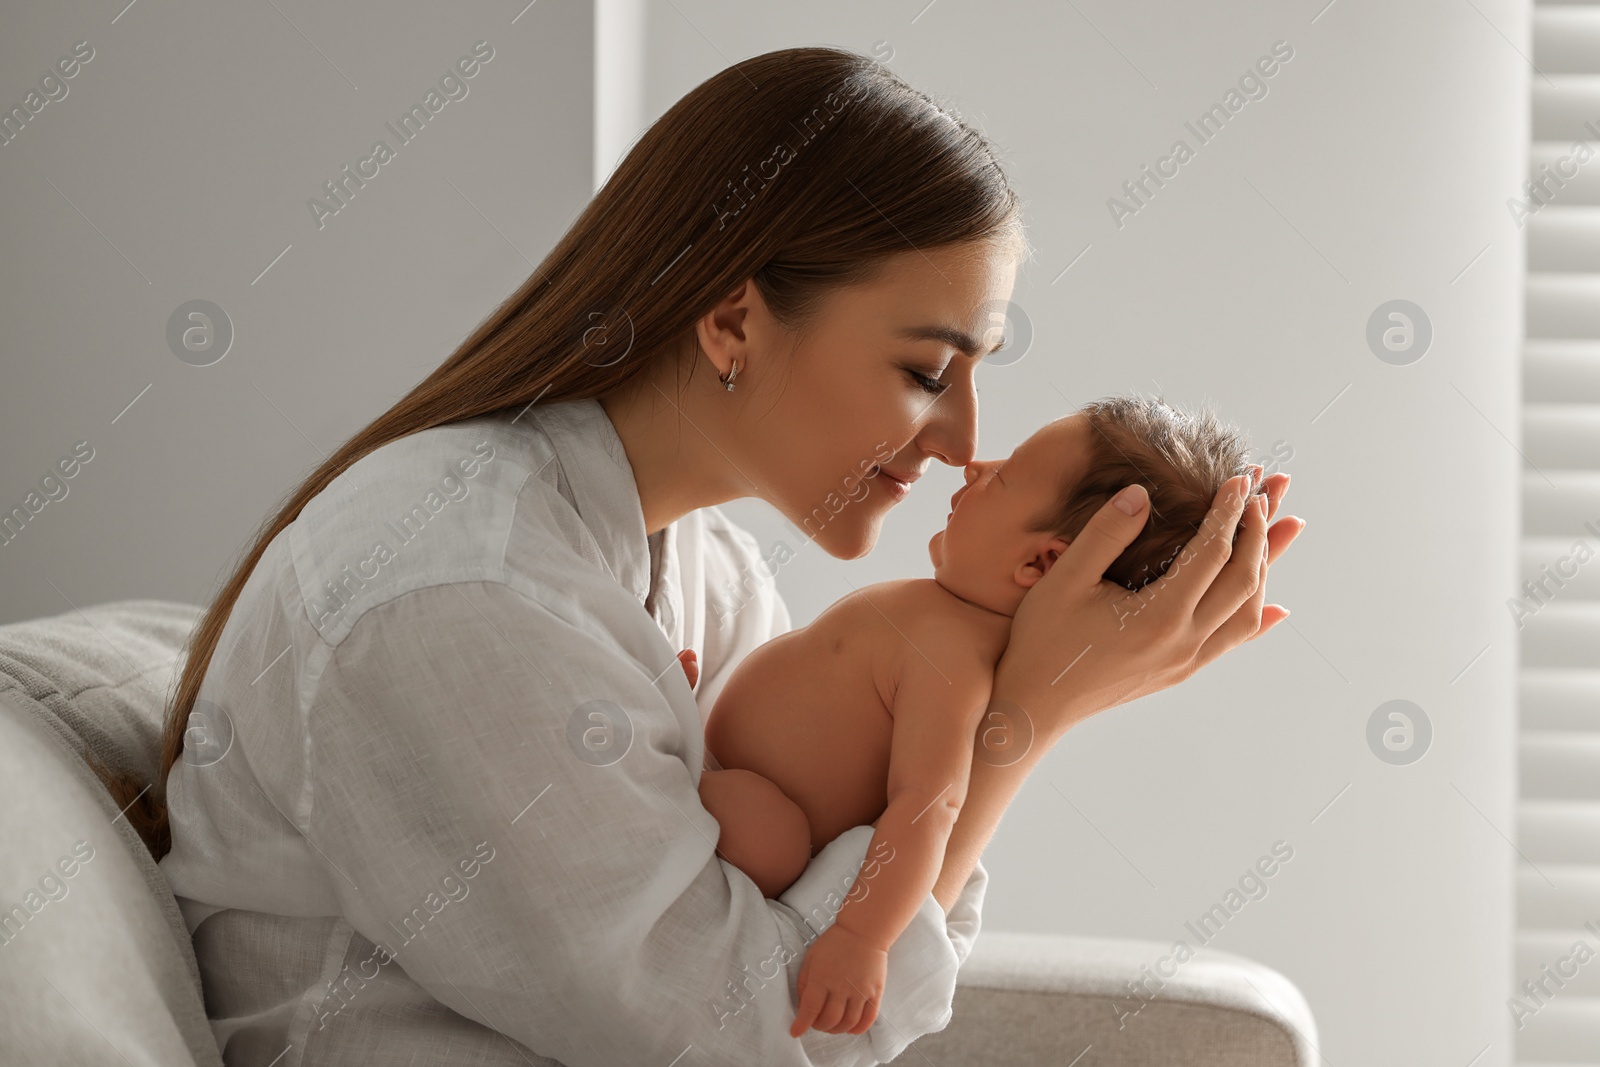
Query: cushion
[96, 953]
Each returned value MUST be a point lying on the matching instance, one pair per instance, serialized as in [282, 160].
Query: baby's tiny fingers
[811, 1002]
[851, 1017]
[691, 666]
[828, 1017]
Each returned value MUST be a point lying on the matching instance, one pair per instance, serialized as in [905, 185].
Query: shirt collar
[597, 471]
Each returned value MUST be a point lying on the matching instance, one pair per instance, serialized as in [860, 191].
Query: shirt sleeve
[743, 609]
[511, 765]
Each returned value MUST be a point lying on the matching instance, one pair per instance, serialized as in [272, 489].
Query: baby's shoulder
[922, 594]
[940, 624]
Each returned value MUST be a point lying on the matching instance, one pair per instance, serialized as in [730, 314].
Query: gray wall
[178, 167]
[1376, 168]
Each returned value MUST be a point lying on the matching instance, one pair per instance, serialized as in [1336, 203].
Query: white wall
[184, 154]
[619, 74]
[1376, 168]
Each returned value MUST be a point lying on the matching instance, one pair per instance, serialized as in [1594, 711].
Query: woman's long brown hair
[801, 168]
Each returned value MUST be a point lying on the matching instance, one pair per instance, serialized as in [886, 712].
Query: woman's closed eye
[931, 385]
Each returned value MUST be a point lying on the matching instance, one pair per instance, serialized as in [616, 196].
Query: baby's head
[1012, 519]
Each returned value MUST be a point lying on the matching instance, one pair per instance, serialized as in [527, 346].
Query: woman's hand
[841, 983]
[1081, 643]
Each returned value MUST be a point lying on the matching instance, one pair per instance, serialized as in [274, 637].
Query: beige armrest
[1030, 1000]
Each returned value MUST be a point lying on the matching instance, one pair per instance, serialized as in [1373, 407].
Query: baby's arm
[937, 708]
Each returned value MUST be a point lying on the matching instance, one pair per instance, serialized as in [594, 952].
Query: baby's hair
[1181, 459]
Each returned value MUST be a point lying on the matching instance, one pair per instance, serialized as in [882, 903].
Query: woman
[432, 766]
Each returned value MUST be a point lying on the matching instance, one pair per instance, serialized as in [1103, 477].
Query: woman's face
[876, 389]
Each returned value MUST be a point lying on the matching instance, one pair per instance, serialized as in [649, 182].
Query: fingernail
[1129, 500]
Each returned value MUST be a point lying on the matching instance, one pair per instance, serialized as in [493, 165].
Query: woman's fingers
[1242, 577]
[1206, 555]
[1255, 617]
[1103, 538]
[1271, 615]
[1246, 624]
[1217, 577]
[1275, 486]
[1282, 535]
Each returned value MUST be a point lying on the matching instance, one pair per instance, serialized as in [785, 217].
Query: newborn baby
[868, 714]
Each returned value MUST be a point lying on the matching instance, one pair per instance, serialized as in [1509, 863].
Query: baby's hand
[841, 983]
[691, 666]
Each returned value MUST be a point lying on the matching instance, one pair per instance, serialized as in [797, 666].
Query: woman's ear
[1039, 564]
[724, 331]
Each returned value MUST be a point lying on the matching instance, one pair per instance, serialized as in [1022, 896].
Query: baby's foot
[691, 666]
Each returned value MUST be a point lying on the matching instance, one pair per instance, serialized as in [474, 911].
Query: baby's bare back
[813, 710]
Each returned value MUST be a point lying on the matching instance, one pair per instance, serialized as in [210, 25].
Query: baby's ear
[1039, 564]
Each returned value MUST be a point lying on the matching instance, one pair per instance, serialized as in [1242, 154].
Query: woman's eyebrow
[960, 340]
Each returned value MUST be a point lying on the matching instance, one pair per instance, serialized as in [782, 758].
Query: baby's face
[985, 553]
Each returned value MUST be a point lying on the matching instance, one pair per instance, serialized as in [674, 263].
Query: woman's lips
[897, 486]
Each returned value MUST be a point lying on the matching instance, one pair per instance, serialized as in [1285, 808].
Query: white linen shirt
[438, 801]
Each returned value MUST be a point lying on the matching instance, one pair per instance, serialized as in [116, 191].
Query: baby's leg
[764, 833]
